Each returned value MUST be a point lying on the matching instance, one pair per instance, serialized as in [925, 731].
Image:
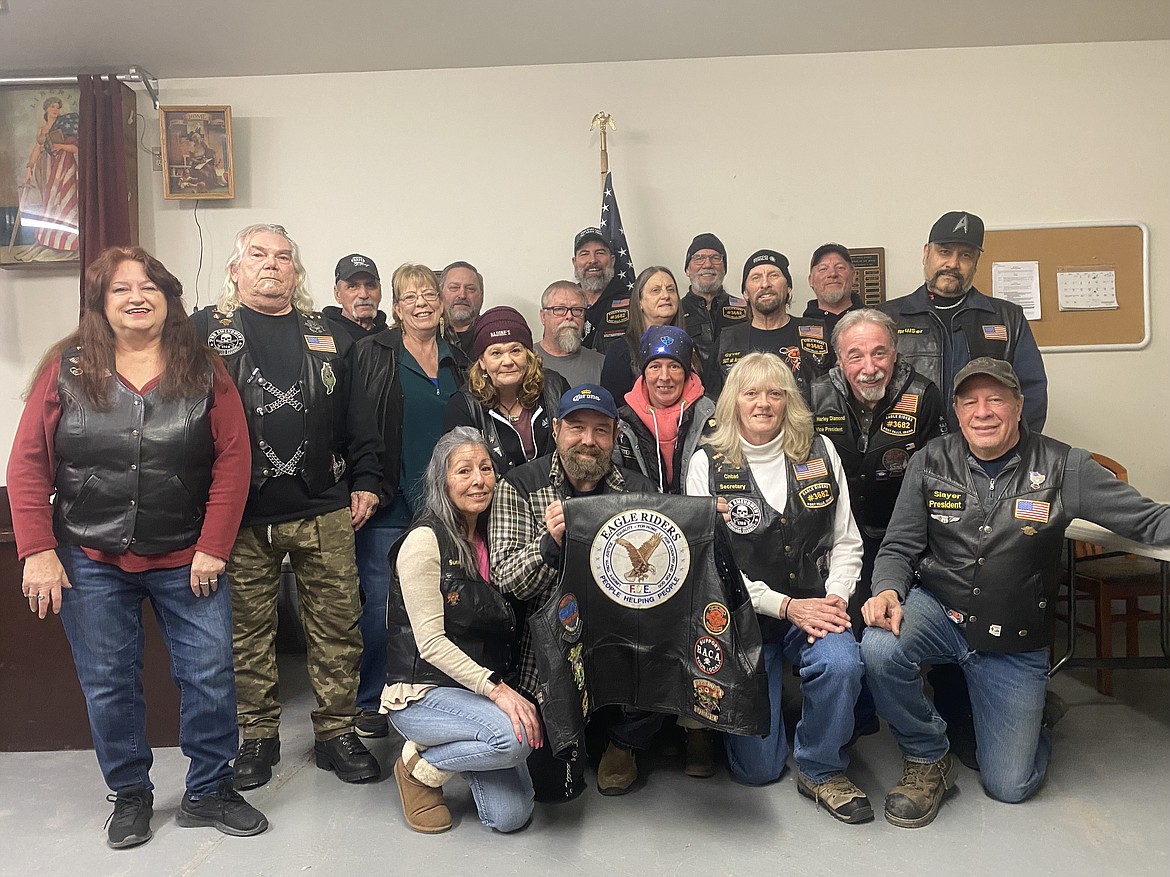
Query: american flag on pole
[611, 227]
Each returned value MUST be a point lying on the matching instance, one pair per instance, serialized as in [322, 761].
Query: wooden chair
[1104, 577]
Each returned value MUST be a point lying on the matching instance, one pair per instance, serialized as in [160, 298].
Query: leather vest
[323, 389]
[649, 613]
[925, 342]
[607, 318]
[476, 618]
[903, 422]
[145, 448]
[813, 359]
[998, 566]
[788, 550]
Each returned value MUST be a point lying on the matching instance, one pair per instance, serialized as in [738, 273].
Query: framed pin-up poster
[38, 175]
[197, 152]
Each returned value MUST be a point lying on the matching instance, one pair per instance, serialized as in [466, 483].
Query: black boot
[348, 756]
[254, 762]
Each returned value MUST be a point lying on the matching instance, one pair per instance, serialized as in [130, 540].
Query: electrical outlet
[157, 153]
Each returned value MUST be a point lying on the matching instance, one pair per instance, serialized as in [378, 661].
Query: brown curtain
[104, 209]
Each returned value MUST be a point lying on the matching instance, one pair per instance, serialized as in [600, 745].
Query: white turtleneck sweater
[768, 464]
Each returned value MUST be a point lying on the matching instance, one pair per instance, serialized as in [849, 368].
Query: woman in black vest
[510, 397]
[135, 430]
[794, 539]
[451, 635]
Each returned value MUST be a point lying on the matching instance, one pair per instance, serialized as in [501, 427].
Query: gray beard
[590, 284]
[708, 288]
[567, 340]
[462, 314]
[833, 298]
[872, 392]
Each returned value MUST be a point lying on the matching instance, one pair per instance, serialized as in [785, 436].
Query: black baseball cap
[591, 234]
[824, 250]
[355, 263]
[958, 227]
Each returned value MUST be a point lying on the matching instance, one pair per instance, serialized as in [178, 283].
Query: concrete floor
[1102, 812]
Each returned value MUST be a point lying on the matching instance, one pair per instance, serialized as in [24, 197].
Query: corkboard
[1121, 246]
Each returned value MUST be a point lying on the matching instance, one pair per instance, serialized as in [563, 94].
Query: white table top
[1110, 541]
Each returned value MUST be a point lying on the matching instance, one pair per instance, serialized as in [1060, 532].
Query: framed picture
[197, 152]
[38, 175]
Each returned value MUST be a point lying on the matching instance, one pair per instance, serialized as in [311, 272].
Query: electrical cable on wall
[198, 270]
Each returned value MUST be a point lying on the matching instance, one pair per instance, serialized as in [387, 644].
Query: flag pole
[602, 122]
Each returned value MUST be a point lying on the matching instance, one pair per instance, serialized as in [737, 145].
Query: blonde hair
[229, 299]
[531, 387]
[764, 371]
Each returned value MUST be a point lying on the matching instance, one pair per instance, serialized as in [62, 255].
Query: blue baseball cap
[666, 341]
[587, 396]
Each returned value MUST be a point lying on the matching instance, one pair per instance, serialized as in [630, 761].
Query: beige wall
[498, 167]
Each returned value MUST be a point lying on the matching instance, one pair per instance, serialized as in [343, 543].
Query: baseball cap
[591, 234]
[592, 397]
[355, 263]
[824, 250]
[958, 227]
[997, 369]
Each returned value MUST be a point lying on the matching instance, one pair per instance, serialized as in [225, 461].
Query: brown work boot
[700, 753]
[914, 802]
[617, 771]
[422, 804]
[841, 798]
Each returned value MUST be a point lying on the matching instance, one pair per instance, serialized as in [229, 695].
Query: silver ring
[205, 581]
[41, 596]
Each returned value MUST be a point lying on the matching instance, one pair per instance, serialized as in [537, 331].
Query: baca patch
[708, 655]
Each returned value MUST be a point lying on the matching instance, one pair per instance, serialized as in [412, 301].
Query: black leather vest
[607, 318]
[476, 618]
[323, 389]
[650, 613]
[998, 566]
[813, 359]
[903, 422]
[786, 550]
[925, 342]
[145, 449]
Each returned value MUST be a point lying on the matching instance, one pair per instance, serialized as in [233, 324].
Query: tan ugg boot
[420, 785]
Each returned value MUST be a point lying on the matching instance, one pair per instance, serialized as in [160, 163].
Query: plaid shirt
[525, 559]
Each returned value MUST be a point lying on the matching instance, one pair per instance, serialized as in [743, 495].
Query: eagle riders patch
[639, 558]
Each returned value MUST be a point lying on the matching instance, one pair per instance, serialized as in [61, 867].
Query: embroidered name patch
[946, 501]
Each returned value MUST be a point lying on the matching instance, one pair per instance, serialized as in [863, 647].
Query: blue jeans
[830, 679]
[102, 616]
[465, 732]
[372, 544]
[1007, 697]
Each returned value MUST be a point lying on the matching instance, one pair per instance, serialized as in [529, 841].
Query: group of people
[878, 471]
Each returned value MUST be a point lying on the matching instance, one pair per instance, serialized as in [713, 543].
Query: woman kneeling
[451, 636]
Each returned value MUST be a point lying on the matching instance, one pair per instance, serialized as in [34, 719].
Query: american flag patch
[321, 342]
[1032, 510]
[620, 303]
[995, 333]
[810, 470]
[813, 331]
[907, 403]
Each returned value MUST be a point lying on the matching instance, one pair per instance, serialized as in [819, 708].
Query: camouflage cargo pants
[322, 555]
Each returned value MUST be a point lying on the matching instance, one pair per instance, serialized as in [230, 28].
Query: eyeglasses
[411, 298]
[562, 311]
[711, 258]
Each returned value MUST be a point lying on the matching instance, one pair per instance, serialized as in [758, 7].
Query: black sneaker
[348, 756]
[372, 723]
[224, 809]
[253, 767]
[129, 824]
